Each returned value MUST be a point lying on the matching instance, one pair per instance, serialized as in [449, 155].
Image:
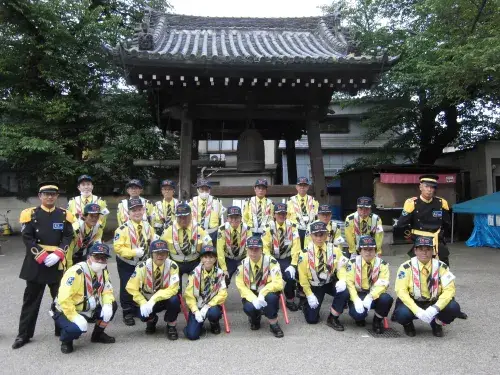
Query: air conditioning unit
[217, 157]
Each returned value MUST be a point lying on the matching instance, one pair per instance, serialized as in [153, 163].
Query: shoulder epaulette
[274, 261]
[384, 262]
[25, 216]
[222, 227]
[406, 265]
[304, 250]
[122, 226]
[79, 271]
[443, 264]
[350, 217]
[352, 261]
[141, 264]
[174, 266]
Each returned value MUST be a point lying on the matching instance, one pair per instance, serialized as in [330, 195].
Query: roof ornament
[145, 37]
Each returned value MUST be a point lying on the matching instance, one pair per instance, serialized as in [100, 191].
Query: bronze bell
[250, 153]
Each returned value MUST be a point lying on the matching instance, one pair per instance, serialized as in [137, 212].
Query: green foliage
[444, 89]
[64, 109]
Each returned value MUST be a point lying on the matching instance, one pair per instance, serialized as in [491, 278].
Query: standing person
[302, 208]
[185, 238]
[77, 204]
[88, 230]
[205, 294]
[258, 210]
[259, 282]
[164, 210]
[231, 243]
[429, 216]
[47, 234]
[367, 282]
[154, 286]
[207, 210]
[363, 222]
[322, 271]
[134, 190]
[85, 295]
[282, 241]
[426, 289]
[131, 244]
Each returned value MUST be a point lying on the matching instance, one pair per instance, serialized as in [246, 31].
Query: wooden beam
[316, 157]
[291, 161]
[186, 157]
[177, 163]
[248, 191]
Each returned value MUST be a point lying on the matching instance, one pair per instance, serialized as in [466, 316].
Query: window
[214, 146]
[335, 125]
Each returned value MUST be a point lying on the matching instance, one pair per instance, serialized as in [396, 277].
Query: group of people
[291, 252]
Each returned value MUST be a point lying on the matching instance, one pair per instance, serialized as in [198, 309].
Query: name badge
[57, 226]
[437, 213]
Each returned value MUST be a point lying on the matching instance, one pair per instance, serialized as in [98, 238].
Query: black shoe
[377, 325]
[333, 321]
[67, 347]
[150, 328]
[254, 324]
[393, 317]
[276, 330]
[410, 329]
[172, 333]
[360, 323]
[129, 320]
[102, 338]
[462, 315]
[292, 306]
[437, 329]
[215, 328]
[19, 342]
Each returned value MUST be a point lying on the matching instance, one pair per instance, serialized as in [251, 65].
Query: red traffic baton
[226, 320]
[183, 307]
[386, 323]
[283, 307]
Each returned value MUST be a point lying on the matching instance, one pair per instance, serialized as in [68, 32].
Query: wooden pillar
[291, 161]
[194, 156]
[316, 157]
[185, 156]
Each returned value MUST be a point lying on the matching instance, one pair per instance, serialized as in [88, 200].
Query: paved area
[469, 347]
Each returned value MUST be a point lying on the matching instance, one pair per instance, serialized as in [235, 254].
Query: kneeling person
[259, 282]
[367, 282]
[85, 295]
[154, 286]
[205, 293]
[320, 265]
[426, 289]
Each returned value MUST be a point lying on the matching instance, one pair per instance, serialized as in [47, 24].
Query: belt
[211, 230]
[132, 261]
[185, 258]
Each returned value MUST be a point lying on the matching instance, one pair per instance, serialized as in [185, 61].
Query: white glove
[106, 312]
[139, 252]
[338, 241]
[358, 306]
[198, 316]
[262, 300]
[353, 256]
[147, 308]
[312, 301]
[367, 301]
[80, 322]
[422, 315]
[291, 271]
[256, 304]
[431, 312]
[51, 260]
[92, 303]
[340, 286]
[204, 311]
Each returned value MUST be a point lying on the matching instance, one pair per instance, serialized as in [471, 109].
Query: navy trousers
[193, 328]
[270, 311]
[382, 306]
[127, 303]
[338, 304]
[404, 315]
[290, 283]
[171, 306]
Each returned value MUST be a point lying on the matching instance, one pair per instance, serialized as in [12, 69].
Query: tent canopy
[485, 205]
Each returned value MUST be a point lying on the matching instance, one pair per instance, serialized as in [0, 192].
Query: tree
[444, 88]
[64, 109]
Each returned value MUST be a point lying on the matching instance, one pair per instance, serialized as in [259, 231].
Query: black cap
[254, 241]
[424, 241]
[158, 245]
[168, 183]
[134, 202]
[364, 202]
[183, 209]
[324, 209]
[303, 181]
[261, 182]
[48, 187]
[234, 211]
[92, 208]
[279, 207]
[208, 249]
[84, 177]
[134, 182]
[202, 182]
[99, 248]
[318, 227]
[430, 179]
[366, 241]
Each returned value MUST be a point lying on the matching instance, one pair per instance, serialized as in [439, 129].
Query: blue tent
[486, 211]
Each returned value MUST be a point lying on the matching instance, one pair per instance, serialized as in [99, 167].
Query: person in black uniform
[47, 232]
[428, 215]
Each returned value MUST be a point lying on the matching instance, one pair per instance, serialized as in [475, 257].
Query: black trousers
[32, 300]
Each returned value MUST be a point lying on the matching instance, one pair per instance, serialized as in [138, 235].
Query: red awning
[406, 178]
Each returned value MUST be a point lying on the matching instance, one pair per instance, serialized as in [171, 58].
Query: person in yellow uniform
[205, 293]
[426, 289]
[258, 210]
[322, 271]
[259, 282]
[134, 190]
[85, 296]
[281, 240]
[231, 242]
[88, 230]
[367, 282]
[363, 222]
[302, 208]
[334, 232]
[154, 286]
[207, 210]
[164, 210]
[76, 205]
[185, 239]
[131, 244]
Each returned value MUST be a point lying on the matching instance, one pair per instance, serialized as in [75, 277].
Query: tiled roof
[309, 40]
